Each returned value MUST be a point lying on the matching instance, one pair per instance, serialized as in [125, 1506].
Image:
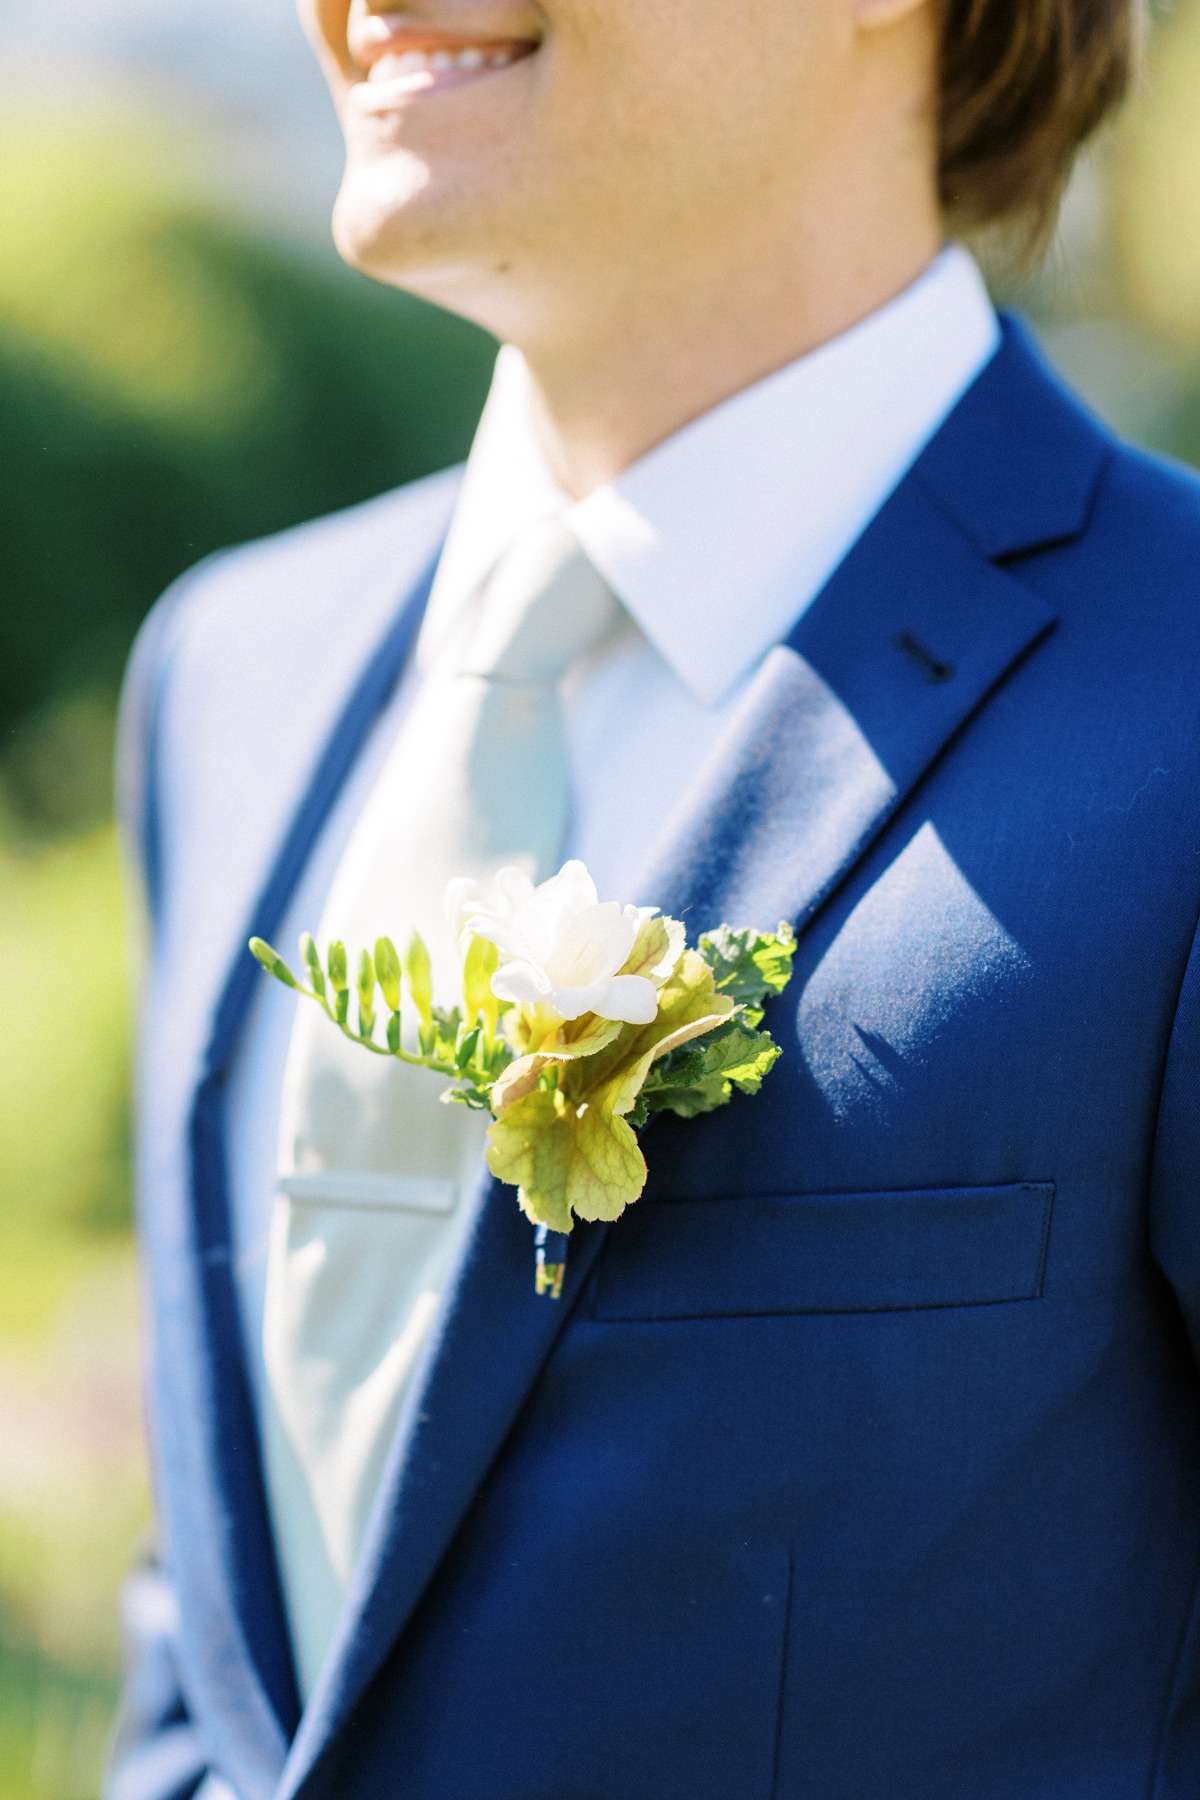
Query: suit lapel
[495, 1335]
[906, 642]
[841, 721]
[235, 1638]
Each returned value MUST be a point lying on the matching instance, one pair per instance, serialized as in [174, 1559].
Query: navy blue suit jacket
[862, 1458]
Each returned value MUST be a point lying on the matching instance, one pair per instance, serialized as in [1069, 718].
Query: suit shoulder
[1151, 495]
[1141, 547]
[241, 602]
[245, 623]
[260, 585]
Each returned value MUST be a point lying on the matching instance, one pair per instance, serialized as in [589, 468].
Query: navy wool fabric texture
[861, 1459]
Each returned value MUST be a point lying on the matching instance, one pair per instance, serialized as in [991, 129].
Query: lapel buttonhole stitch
[932, 667]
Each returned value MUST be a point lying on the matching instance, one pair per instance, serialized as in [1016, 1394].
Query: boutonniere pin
[578, 1021]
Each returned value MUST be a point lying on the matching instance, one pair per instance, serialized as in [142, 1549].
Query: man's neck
[651, 363]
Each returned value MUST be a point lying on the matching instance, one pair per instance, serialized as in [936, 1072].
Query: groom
[861, 1458]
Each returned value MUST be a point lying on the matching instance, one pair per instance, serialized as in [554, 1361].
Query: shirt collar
[719, 538]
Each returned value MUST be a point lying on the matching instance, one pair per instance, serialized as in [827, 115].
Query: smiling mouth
[472, 59]
[399, 58]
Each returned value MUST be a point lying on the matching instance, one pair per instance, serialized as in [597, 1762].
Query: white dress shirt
[715, 542]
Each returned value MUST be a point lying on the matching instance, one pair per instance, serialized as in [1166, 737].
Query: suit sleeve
[1175, 1179]
[142, 697]
[155, 1752]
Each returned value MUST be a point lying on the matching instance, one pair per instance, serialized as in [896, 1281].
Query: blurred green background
[184, 364]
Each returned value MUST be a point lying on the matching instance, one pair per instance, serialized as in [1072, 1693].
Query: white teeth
[438, 62]
[388, 68]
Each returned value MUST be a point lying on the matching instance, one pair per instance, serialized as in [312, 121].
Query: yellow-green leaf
[566, 1159]
[530, 1146]
[657, 949]
[607, 1171]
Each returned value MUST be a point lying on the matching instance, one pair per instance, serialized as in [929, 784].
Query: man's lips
[470, 59]
[392, 47]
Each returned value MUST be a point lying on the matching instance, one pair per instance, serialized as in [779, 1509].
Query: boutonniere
[577, 1021]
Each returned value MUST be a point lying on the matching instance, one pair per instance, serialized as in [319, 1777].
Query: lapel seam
[1045, 538]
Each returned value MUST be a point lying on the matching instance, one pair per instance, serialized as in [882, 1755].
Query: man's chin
[377, 211]
[389, 223]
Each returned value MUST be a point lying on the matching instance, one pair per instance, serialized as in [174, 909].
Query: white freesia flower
[560, 947]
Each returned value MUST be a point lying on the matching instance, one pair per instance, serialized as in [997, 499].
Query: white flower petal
[464, 897]
[573, 1002]
[630, 998]
[591, 945]
[513, 886]
[538, 921]
[509, 943]
[521, 983]
[573, 888]
[491, 909]
[562, 947]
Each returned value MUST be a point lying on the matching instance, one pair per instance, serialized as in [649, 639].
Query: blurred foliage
[1156, 190]
[173, 380]
[64, 1074]
[1153, 221]
[73, 1490]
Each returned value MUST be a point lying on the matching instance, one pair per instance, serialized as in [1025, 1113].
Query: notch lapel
[908, 639]
[234, 1634]
[840, 722]
[494, 1336]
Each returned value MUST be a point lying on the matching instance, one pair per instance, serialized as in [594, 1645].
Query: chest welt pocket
[826, 1253]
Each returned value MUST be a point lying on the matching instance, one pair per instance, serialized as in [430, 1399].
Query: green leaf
[471, 1096]
[446, 1023]
[465, 1053]
[387, 968]
[393, 1033]
[272, 962]
[702, 1077]
[749, 965]
[420, 978]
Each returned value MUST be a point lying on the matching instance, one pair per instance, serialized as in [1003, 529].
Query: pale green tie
[373, 1169]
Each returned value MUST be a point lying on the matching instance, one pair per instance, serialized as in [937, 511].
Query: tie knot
[544, 606]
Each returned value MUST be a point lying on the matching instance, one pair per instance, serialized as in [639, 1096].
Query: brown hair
[1023, 83]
